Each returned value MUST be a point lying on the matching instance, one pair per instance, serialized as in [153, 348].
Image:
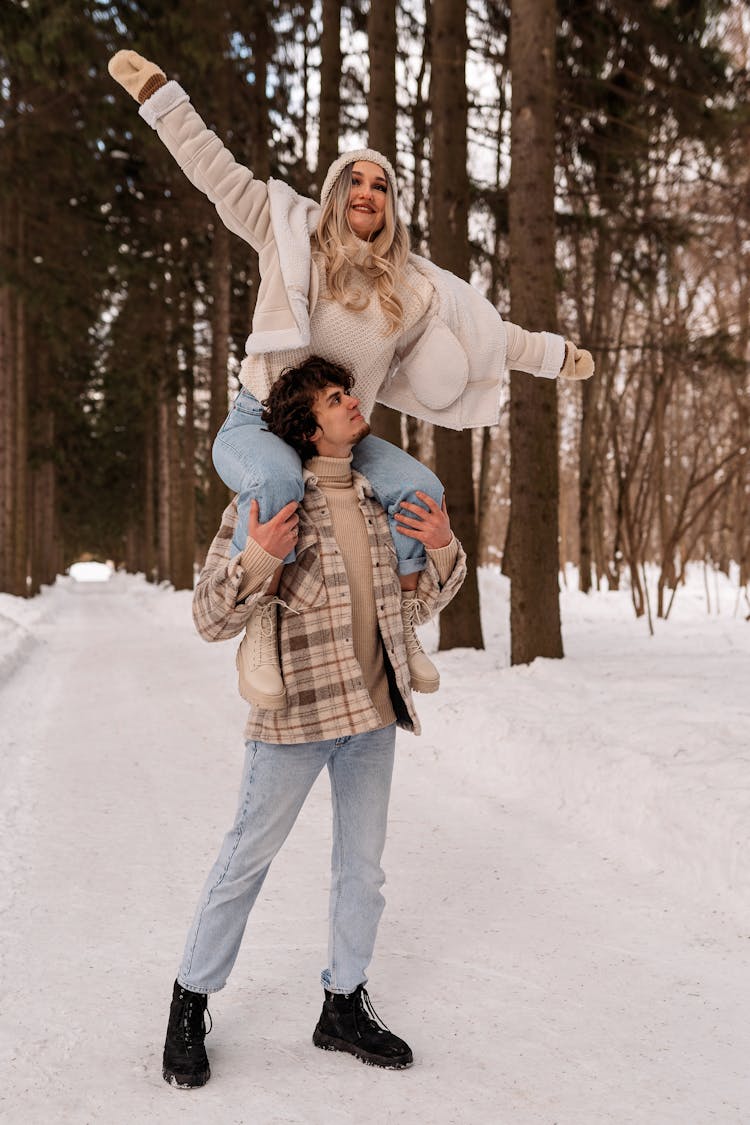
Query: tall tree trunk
[261, 126]
[381, 110]
[586, 486]
[149, 493]
[419, 131]
[20, 534]
[188, 458]
[220, 310]
[43, 509]
[164, 491]
[460, 624]
[533, 542]
[589, 480]
[7, 427]
[330, 87]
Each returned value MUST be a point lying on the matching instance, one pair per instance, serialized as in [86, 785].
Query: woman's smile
[367, 198]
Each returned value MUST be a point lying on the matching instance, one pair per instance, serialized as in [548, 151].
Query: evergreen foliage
[113, 318]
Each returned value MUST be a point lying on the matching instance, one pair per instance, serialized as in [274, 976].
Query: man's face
[340, 423]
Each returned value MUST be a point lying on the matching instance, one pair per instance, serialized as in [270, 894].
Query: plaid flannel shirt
[326, 695]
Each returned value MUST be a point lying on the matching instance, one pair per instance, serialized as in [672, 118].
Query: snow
[567, 928]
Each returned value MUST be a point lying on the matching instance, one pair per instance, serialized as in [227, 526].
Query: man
[347, 688]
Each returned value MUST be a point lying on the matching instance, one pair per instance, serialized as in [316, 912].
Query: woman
[338, 280]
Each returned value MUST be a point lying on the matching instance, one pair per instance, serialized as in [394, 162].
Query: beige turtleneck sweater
[334, 478]
[350, 531]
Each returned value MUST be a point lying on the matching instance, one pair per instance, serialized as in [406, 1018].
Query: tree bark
[381, 112]
[220, 309]
[164, 490]
[330, 87]
[460, 624]
[533, 561]
[20, 534]
[7, 425]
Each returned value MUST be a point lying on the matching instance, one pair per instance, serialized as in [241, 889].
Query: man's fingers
[410, 520]
[420, 511]
[254, 509]
[431, 504]
[288, 512]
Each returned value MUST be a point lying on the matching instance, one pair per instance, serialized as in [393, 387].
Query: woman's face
[366, 212]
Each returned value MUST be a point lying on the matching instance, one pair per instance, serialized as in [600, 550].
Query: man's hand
[136, 75]
[279, 535]
[430, 524]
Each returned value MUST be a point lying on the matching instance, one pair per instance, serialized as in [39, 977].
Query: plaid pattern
[326, 695]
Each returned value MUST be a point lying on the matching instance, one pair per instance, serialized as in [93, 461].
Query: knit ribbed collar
[331, 472]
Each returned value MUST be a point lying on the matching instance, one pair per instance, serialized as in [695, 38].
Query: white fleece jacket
[446, 367]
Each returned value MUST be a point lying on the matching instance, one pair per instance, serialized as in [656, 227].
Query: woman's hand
[135, 74]
[429, 524]
[279, 535]
[578, 363]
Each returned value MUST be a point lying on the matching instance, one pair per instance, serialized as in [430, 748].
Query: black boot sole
[329, 1043]
[185, 1081]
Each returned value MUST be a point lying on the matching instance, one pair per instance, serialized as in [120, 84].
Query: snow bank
[641, 742]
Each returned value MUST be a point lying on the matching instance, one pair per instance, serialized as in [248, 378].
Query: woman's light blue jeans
[275, 782]
[260, 466]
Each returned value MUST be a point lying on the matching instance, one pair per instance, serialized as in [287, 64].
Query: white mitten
[578, 363]
[135, 74]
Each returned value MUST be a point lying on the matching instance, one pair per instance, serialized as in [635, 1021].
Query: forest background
[585, 164]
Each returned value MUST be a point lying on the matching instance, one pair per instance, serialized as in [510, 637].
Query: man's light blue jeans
[275, 782]
[260, 466]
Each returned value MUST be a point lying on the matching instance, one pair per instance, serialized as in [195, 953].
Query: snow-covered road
[540, 974]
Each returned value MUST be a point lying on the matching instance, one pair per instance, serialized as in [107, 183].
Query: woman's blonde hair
[384, 261]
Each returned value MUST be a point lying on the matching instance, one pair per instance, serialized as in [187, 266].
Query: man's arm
[228, 588]
[444, 574]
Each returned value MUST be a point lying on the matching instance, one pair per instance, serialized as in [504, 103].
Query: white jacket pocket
[436, 367]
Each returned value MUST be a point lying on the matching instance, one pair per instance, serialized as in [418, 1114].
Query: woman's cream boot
[260, 679]
[424, 675]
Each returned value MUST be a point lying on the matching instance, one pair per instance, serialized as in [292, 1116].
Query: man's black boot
[349, 1023]
[185, 1059]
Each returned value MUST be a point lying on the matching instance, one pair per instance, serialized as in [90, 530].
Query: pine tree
[460, 624]
[532, 549]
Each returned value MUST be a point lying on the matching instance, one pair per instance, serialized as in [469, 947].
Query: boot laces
[366, 1012]
[414, 612]
[262, 630]
[193, 1023]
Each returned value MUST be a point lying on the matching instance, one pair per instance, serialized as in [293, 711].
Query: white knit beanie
[347, 158]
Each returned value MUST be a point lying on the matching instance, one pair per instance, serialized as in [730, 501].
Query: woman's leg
[256, 465]
[395, 477]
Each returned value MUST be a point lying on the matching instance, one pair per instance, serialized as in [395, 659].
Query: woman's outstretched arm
[240, 200]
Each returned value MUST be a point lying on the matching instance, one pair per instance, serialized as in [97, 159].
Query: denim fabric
[275, 782]
[258, 465]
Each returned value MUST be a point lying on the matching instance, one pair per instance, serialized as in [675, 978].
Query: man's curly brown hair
[288, 410]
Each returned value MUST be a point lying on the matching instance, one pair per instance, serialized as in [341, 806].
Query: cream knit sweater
[360, 341]
[357, 339]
